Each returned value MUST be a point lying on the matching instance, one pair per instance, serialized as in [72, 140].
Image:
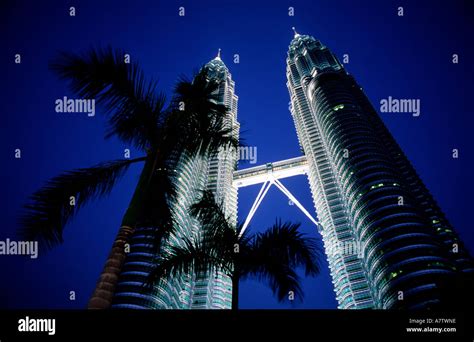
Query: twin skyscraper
[365, 191]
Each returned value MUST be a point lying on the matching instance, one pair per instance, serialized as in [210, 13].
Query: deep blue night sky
[403, 57]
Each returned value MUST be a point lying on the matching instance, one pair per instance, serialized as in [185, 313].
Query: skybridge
[270, 174]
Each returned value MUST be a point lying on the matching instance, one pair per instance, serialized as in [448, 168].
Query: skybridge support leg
[261, 194]
[283, 189]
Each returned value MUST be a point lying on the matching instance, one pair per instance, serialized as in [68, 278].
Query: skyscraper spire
[390, 238]
[209, 172]
[296, 33]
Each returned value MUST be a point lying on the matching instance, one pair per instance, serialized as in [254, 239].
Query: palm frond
[200, 95]
[50, 208]
[134, 106]
[217, 232]
[290, 246]
[282, 280]
[209, 211]
[137, 124]
[202, 120]
[218, 235]
[275, 255]
[211, 138]
[176, 261]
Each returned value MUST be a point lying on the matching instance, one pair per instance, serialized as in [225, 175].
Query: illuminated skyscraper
[212, 172]
[387, 242]
[214, 291]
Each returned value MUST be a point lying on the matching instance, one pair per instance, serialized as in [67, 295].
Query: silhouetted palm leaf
[201, 121]
[272, 257]
[50, 207]
[211, 215]
[136, 110]
[136, 115]
[199, 96]
[191, 257]
[217, 234]
[289, 246]
[279, 277]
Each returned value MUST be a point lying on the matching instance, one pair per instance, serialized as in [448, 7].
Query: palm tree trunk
[235, 292]
[105, 288]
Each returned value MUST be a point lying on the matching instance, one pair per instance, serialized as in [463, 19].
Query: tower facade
[387, 242]
[193, 174]
[214, 290]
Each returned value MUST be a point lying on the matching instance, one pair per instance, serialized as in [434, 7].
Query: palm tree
[191, 124]
[272, 256]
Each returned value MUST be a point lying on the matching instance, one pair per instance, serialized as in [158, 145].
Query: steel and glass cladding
[212, 172]
[387, 242]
